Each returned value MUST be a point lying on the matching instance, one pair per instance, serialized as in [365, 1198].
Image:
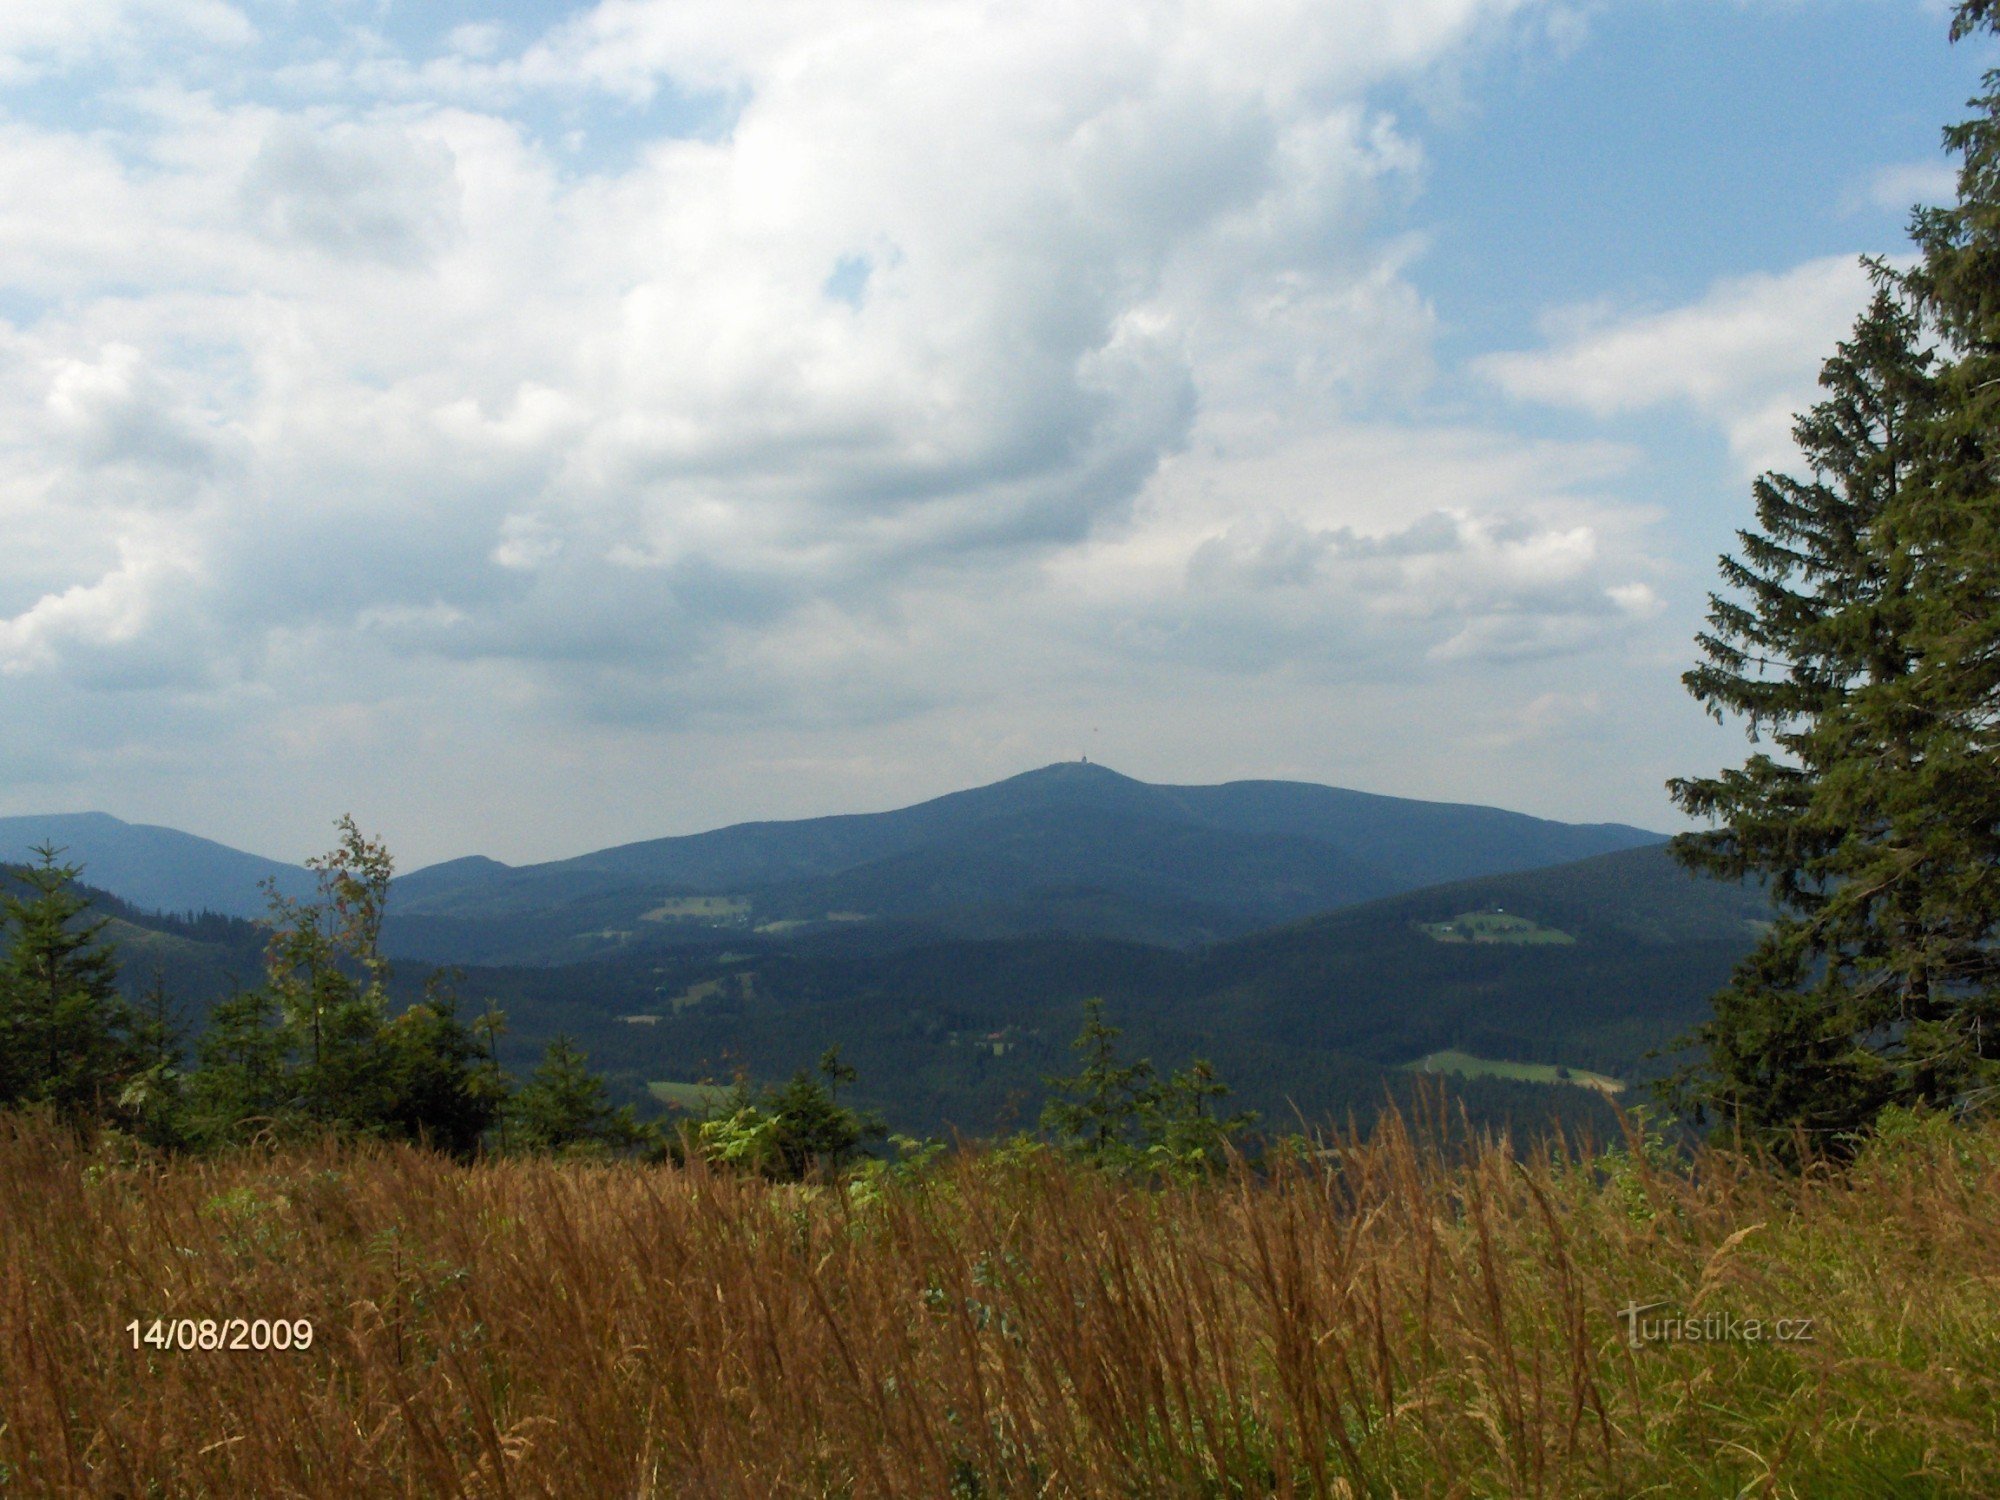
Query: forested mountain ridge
[1589, 965]
[1069, 849]
[1072, 847]
[154, 868]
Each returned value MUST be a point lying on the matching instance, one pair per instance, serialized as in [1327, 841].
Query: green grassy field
[1465, 1065]
[709, 989]
[699, 908]
[1491, 927]
[694, 1096]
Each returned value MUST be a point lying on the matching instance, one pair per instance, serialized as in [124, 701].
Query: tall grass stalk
[1376, 1316]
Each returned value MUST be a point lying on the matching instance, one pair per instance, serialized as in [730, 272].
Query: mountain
[1070, 847]
[157, 869]
[442, 881]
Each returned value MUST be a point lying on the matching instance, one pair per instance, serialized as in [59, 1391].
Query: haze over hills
[1071, 847]
[1302, 936]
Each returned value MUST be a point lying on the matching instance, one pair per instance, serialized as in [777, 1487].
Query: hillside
[157, 869]
[197, 959]
[1647, 943]
[1318, 1015]
[1071, 848]
[1586, 966]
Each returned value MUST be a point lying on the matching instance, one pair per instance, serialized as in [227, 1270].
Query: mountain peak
[1074, 768]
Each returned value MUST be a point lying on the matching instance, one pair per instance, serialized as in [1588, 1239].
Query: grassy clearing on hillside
[1492, 927]
[741, 984]
[1465, 1065]
[694, 1096]
[698, 908]
[1378, 1319]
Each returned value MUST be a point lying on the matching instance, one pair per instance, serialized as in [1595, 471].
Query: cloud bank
[690, 379]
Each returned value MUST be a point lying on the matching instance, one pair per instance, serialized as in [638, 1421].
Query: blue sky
[531, 427]
[1680, 143]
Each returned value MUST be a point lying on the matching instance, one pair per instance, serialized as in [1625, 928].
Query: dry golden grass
[1376, 1320]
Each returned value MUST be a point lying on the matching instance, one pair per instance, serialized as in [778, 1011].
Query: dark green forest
[1310, 1022]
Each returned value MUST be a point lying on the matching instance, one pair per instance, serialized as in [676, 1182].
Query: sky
[537, 426]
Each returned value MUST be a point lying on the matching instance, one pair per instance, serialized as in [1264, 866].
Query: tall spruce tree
[1861, 634]
[65, 1032]
[1951, 537]
[1814, 622]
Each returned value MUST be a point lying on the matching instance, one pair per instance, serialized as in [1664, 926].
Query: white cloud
[402, 359]
[1904, 185]
[372, 192]
[988, 362]
[36, 39]
[1746, 356]
[1366, 551]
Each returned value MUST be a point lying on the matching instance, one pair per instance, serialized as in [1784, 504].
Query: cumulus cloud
[1369, 552]
[377, 193]
[961, 357]
[412, 368]
[1746, 356]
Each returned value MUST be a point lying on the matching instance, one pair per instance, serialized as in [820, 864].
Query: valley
[1296, 936]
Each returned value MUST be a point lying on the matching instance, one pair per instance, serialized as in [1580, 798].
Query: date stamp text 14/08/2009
[190, 1334]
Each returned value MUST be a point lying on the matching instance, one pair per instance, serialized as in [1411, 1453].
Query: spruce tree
[441, 1090]
[65, 1032]
[564, 1108]
[1097, 1111]
[150, 1103]
[242, 1085]
[1814, 621]
[1861, 634]
[1950, 535]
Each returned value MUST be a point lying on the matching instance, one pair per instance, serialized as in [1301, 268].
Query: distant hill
[442, 881]
[1641, 945]
[1589, 966]
[1072, 847]
[198, 958]
[157, 869]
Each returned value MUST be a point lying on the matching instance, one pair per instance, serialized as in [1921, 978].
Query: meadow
[696, 1097]
[1414, 1313]
[1492, 927]
[1464, 1065]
